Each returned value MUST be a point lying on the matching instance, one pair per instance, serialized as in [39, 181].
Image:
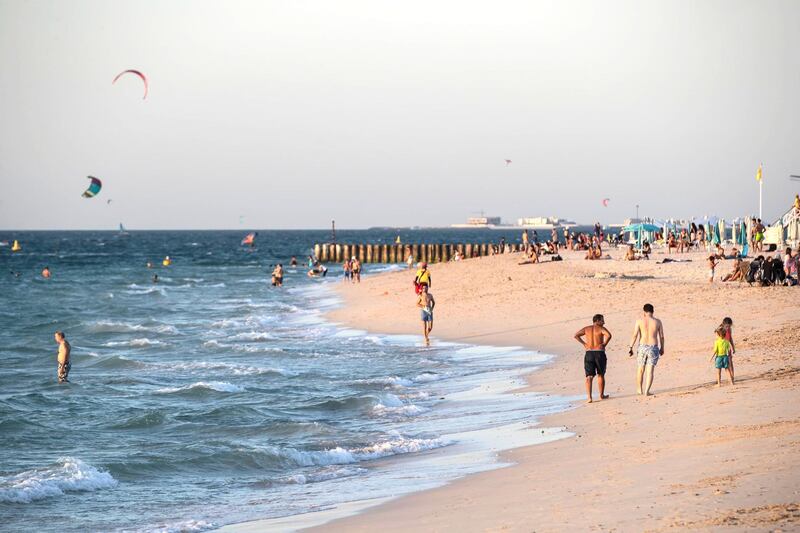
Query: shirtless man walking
[594, 362]
[63, 358]
[426, 303]
[650, 334]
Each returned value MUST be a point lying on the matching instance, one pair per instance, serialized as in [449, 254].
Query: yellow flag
[758, 173]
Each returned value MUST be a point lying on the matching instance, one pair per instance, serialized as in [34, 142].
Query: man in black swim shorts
[594, 362]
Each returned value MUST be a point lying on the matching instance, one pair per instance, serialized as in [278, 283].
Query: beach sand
[693, 456]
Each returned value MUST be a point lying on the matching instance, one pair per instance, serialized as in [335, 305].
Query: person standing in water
[649, 332]
[63, 358]
[594, 361]
[355, 265]
[426, 303]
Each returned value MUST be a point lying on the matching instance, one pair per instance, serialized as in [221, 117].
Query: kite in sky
[605, 201]
[94, 187]
[508, 162]
[794, 177]
[137, 73]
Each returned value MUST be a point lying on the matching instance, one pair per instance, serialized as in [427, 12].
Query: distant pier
[398, 253]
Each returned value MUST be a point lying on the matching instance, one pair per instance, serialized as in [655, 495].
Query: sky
[290, 114]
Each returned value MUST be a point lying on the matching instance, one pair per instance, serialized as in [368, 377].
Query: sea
[211, 398]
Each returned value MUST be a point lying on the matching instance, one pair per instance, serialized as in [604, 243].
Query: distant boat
[122, 230]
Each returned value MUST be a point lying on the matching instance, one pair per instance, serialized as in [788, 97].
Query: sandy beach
[693, 456]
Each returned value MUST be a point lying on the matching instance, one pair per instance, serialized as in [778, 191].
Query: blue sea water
[212, 398]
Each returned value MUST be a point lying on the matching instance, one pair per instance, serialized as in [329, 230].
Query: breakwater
[399, 253]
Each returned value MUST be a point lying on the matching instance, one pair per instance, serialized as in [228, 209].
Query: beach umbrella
[715, 232]
[722, 230]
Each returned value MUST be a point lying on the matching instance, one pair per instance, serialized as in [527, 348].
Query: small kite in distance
[794, 177]
[108, 201]
[606, 201]
[137, 73]
[94, 187]
[508, 162]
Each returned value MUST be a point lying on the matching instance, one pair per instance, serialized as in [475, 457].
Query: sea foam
[67, 475]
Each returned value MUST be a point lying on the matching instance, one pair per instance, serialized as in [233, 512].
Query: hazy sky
[293, 113]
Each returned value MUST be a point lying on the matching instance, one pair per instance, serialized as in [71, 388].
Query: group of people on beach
[352, 270]
[648, 339]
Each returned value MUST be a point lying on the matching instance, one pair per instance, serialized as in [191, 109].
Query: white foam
[125, 327]
[324, 475]
[427, 377]
[253, 336]
[232, 368]
[339, 455]
[186, 526]
[135, 342]
[219, 386]
[394, 381]
[68, 475]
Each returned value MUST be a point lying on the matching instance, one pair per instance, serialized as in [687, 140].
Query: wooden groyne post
[398, 253]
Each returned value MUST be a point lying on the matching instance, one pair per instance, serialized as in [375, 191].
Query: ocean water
[212, 398]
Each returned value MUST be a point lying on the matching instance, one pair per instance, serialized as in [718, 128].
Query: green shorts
[721, 361]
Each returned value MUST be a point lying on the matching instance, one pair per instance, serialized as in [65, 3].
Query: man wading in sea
[594, 362]
[650, 334]
[63, 358]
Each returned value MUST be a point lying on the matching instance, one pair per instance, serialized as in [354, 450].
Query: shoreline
[692, 456]
[671, 440]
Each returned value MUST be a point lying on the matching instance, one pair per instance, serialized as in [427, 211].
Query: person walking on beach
[727, 325]
[594, 361]
[355, 266]
[426, 303]
[423, 278]
[721, 355]
[64, 357]
[649, 332]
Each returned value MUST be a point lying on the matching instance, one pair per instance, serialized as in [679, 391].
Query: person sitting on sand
[719, 252]
[712, 264]
[671, 242]
[630, 254]
[646, 250]
[736, 274]
[64, 357]
[533, 256]
[594, 360]
[426, 303]
[649, 332]
[720, 357]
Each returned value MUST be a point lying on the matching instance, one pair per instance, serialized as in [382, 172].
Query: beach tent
[641, 231]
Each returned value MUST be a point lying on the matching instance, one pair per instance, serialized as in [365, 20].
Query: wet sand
[693, 456]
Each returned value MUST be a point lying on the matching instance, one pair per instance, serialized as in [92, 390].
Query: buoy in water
[16, 247]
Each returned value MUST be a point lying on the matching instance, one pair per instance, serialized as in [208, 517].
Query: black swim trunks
[594, 363]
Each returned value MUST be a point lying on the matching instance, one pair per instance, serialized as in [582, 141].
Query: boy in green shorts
[722, 349]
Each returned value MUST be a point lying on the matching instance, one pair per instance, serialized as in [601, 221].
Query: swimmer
[277, 276]
[293, 261]
[63, 358]
[155, 278]
[46, 272]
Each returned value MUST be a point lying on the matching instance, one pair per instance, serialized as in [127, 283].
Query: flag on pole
[759, 172]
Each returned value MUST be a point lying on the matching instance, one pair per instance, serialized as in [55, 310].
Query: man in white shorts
[650, 334]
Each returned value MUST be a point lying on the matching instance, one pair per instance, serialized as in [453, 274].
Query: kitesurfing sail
[136, 73]
[249, 239]
[94, 187]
